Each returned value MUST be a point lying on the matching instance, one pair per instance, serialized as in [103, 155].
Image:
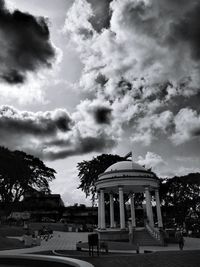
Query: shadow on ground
[156, 259]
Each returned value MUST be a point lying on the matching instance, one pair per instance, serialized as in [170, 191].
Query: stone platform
[113, 235]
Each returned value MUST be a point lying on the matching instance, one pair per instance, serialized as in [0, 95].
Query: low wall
[113, 235]
[54, 226]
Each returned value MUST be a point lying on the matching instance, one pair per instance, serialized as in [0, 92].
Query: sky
[79, 78]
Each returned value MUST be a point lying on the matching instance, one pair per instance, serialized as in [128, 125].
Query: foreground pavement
[67, 241]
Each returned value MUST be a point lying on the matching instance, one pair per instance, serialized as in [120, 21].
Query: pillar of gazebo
[121, 208]
[133, 211]
[111, 211]
[102, 209]
[158, 209]
[149, 206]
[99, 210]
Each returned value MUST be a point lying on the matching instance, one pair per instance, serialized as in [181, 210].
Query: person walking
[181, 242]
[180, 239]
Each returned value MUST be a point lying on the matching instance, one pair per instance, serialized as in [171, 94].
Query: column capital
[121, 187]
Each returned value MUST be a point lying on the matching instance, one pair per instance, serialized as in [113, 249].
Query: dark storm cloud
[101, 79]
[85, 33]
[52, 134]
[101, 14]
[24, 44]
[13, 77]
[166, 23]
[102, 115]
[124, 86]
[196, 132]
[28, 123]
[187, 29]
[83, 145]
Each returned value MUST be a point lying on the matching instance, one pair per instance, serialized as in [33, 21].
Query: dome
[130, 175]
[125, 165]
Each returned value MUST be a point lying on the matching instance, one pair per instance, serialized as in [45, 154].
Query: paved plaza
[68, 240]
[59, 241]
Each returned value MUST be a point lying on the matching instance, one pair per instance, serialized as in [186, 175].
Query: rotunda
[127, 177]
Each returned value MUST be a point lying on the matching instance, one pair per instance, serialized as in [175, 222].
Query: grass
[157, 259]
[10, 243]
[6, 230]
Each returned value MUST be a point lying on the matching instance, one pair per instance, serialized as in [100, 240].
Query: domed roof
[125, 165]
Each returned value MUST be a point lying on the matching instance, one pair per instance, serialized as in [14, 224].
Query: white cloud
[151, 160]
[140, 63]
[149, 127]
[58, 134]
[187, 126]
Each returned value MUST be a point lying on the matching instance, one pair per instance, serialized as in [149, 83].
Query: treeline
[180, 197]
[19, 172]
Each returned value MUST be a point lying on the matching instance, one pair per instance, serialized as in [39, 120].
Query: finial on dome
[130, 154]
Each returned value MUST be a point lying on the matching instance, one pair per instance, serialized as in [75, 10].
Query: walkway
[59, 241]
[67, 241]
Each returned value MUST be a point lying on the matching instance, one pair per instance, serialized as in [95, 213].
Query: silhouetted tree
[19, 172]
[90, 170]
[180, 196]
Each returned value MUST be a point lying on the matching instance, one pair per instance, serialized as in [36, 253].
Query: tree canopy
[19, 172]
[180, 196]
[90, 170]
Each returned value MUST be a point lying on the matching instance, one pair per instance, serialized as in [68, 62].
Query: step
[143, 238]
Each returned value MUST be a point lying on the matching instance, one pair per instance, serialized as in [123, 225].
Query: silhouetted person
[179, 237]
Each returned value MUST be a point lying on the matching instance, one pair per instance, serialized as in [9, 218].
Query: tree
[180, 196]
[90, 170]
[19, 172]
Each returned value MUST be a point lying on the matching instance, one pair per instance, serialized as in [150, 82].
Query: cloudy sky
[83, 77]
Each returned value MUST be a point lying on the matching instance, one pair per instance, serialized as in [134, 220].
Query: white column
[99, 210]
[103, 223]
[111, 211]
[158, 209]
[121, 208]
[133, 211]
[148, 206]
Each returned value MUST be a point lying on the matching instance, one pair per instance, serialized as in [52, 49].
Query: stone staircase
[143, 238]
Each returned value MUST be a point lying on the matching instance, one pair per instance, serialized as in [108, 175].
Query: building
[85, 217]
[127, 177]
[41, 206]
